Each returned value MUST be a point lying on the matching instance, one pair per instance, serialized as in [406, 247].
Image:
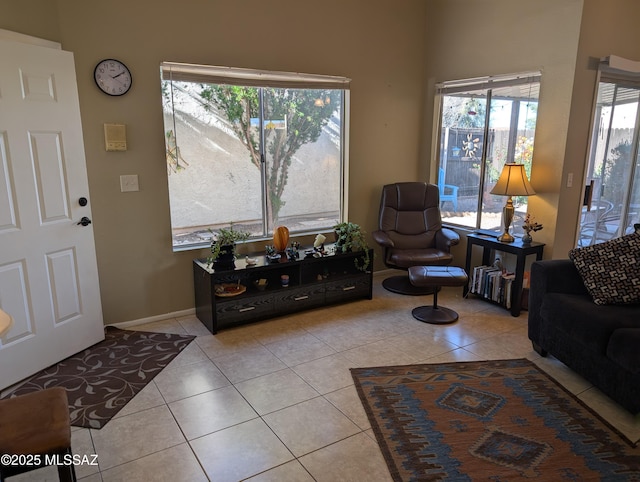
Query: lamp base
[506, 238]
[507, 217]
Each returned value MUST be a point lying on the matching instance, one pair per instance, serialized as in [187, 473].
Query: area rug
[492, 420]
[103, 378]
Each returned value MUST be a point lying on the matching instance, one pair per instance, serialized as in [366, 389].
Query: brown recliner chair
[411, 232]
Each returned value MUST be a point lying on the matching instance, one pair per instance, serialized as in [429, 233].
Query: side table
[520, 250]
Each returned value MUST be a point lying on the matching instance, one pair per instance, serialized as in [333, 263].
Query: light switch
[129, 183]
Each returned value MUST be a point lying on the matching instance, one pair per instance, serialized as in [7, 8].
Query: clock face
[112, 77]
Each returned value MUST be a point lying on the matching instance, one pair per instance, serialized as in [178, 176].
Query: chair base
[402, 285]
[435, 315]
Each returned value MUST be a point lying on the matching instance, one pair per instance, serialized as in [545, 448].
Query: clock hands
[112, 77]
[120, 81]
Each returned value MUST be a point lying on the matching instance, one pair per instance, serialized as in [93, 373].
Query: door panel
[7, 202]
[48, 167]
[48, 269]
[38, 86]
[63, 284]
[15, 300]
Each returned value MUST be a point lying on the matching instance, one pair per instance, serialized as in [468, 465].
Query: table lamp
[512, 182]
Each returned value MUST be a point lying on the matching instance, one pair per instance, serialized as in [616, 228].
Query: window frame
[487, 84]
[622, 74]
[262, 79]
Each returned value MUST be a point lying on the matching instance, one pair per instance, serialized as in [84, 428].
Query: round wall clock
[112, 77]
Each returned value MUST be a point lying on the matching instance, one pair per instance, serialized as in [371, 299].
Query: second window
[484, 123]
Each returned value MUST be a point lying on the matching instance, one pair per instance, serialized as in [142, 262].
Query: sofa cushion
[623, 348]
[611, 270]
[588, 324]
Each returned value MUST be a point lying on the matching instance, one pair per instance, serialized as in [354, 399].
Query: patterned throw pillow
[611, 270]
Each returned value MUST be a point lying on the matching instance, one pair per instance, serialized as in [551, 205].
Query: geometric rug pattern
[498, 420]
[101, 379]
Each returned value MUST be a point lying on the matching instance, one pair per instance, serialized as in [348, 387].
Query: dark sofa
[599, 342]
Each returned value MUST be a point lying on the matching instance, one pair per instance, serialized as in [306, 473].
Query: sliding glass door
[612, 194]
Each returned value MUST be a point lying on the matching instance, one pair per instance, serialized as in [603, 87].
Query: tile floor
[275, 401]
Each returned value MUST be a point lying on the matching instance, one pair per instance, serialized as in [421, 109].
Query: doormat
[490, 420]
[103, 378]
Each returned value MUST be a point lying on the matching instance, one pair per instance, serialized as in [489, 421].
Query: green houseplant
[223, 246]
[351, 237]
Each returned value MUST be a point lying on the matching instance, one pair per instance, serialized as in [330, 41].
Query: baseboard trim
[151, 319]
[385, 272]
[192, 311]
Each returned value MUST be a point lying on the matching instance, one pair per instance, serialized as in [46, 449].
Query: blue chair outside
[448, 192]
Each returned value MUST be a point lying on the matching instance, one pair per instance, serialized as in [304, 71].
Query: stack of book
[492, 283]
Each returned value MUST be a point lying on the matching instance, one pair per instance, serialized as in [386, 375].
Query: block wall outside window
[252, 151]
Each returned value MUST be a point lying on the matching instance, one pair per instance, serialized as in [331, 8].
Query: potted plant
[351, 237]
[223, 246]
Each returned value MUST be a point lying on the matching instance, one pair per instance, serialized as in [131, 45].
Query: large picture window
[484, 123]
[254, 149]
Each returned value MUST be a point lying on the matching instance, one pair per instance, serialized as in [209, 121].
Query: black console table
[520, 250]
[313, 282]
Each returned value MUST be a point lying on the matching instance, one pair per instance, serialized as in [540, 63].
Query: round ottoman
[435, 277]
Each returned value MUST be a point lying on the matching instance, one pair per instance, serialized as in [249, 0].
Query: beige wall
[377, 43]
[38, 18]
[607, 28]
[395, 51]
[509, 36]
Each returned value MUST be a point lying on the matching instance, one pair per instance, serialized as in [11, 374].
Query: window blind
[210, 74]
[488, 82]
[619, 70]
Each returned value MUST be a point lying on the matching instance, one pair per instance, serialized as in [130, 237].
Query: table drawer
[294, 299]
[356, 287]
[244, 309]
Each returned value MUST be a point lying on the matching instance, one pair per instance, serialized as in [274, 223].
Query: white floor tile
[356, 458]
[275, 400]
[175, 464]
[250, 363]
[129, 438]
[310, 425]
[240, 451]
[211, 411]
[275, 391]
[175, 383]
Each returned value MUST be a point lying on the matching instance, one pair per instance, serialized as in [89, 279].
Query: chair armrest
[454, 189]
[445, 238]
[382, 239]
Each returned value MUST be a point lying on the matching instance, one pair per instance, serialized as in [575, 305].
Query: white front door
[48, 269]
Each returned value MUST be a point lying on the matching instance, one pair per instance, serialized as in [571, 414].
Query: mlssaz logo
[71, 459]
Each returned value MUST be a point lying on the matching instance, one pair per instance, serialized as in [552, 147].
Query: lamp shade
[513, 182]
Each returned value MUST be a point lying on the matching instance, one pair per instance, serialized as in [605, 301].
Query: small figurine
[318, 243]
[272, 254]
[250, 261]
[293, 251]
